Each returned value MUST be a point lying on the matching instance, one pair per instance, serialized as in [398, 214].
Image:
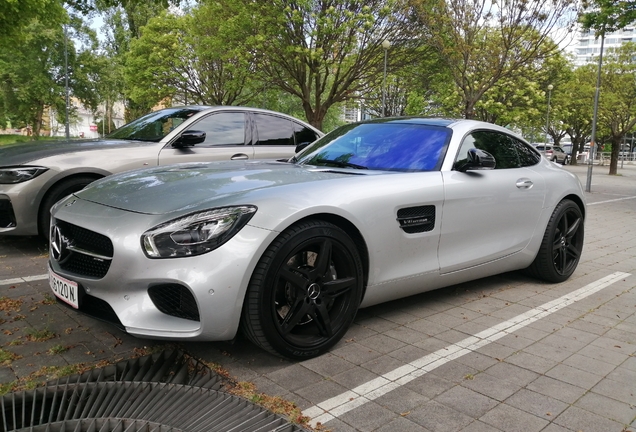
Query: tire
[566, 160]
[56, 193]
[561, 246]
[304, 292]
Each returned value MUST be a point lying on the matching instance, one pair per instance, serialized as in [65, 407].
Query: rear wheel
[304, 292]
[56, 193]
[562, 244]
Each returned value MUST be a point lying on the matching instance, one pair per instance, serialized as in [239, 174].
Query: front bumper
[215, 282]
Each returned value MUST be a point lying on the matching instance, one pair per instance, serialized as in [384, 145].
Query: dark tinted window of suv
[272, 130]
[303, 134]
[222, 129]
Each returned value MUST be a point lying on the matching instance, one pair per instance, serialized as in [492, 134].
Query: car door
[276, 137]
[227, 138]
[490, 214]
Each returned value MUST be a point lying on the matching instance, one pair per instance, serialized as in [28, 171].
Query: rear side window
[273, 131]
[302, 134]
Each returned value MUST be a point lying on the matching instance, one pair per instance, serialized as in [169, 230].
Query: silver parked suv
[35, 175]
[554, 153]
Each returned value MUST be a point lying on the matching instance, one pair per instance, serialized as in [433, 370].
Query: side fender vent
[417, 219]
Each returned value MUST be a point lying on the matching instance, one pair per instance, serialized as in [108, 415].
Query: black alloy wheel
[562, 244]
[305, 291]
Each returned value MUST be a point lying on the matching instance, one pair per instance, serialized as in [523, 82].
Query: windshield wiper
[341, 164]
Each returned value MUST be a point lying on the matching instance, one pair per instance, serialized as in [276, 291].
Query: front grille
[175, 300]
[83, 252]
[7, 217]
[417, 219]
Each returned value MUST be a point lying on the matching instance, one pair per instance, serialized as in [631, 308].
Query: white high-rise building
[588, 46]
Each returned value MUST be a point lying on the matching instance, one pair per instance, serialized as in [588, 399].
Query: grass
[11, 139]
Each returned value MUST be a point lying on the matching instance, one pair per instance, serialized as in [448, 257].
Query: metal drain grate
[168, 392]
[173, 366]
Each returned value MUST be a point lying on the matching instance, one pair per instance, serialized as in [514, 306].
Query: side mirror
[477, 160]
[189, 138]
[301, 146]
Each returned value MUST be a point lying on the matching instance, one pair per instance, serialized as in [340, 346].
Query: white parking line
[347, 401]
[612, 200]
[23, 279]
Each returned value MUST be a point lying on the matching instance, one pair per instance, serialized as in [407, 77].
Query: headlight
[19, 174]
[195, 234]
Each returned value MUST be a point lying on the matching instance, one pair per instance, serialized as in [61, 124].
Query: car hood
[196, 186]
[25, 152]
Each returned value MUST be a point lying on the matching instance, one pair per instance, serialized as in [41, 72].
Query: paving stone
[430, 385]
[327, 365]
[381, 343]
[512, 373]
[556, 389]
[439, 418]
[616, 390]
[401, 424]
[537, 404]
[607, 407]
[478, 426]
[579, 419]
[492, 387]
[294, 377]
[466, 401]
[402, 400]
[589, 365]
[321, 391]
[383, 364]
[368, 417]
[531, 362]
[355, 353]
[573, 376]
[510, 419]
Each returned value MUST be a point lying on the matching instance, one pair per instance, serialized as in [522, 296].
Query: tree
[575, 97]
[326, 52]
[198, 58]
[608, 15]
[617, 107]
[18, 14]
[485, 42]
[123, 20]
[33, 72]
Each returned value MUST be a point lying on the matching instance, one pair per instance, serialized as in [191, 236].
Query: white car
[35, 175]
[289, 251]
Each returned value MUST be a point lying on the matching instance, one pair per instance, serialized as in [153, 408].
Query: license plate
[64, 289]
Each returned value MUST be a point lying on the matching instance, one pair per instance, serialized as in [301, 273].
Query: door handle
[240, 156]
[524, 183]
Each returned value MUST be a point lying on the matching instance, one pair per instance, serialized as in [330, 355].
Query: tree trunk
[616, 147]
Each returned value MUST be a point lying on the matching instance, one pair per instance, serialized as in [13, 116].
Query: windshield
[388, 146]
[155, 125]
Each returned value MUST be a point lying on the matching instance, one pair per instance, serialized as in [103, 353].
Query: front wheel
[304, 292]
[56, 193]
[562, 244]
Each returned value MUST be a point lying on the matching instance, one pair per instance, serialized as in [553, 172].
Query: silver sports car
[288, 251]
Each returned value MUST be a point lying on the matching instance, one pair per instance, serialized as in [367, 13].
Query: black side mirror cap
[189, 138]
[477, 160]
